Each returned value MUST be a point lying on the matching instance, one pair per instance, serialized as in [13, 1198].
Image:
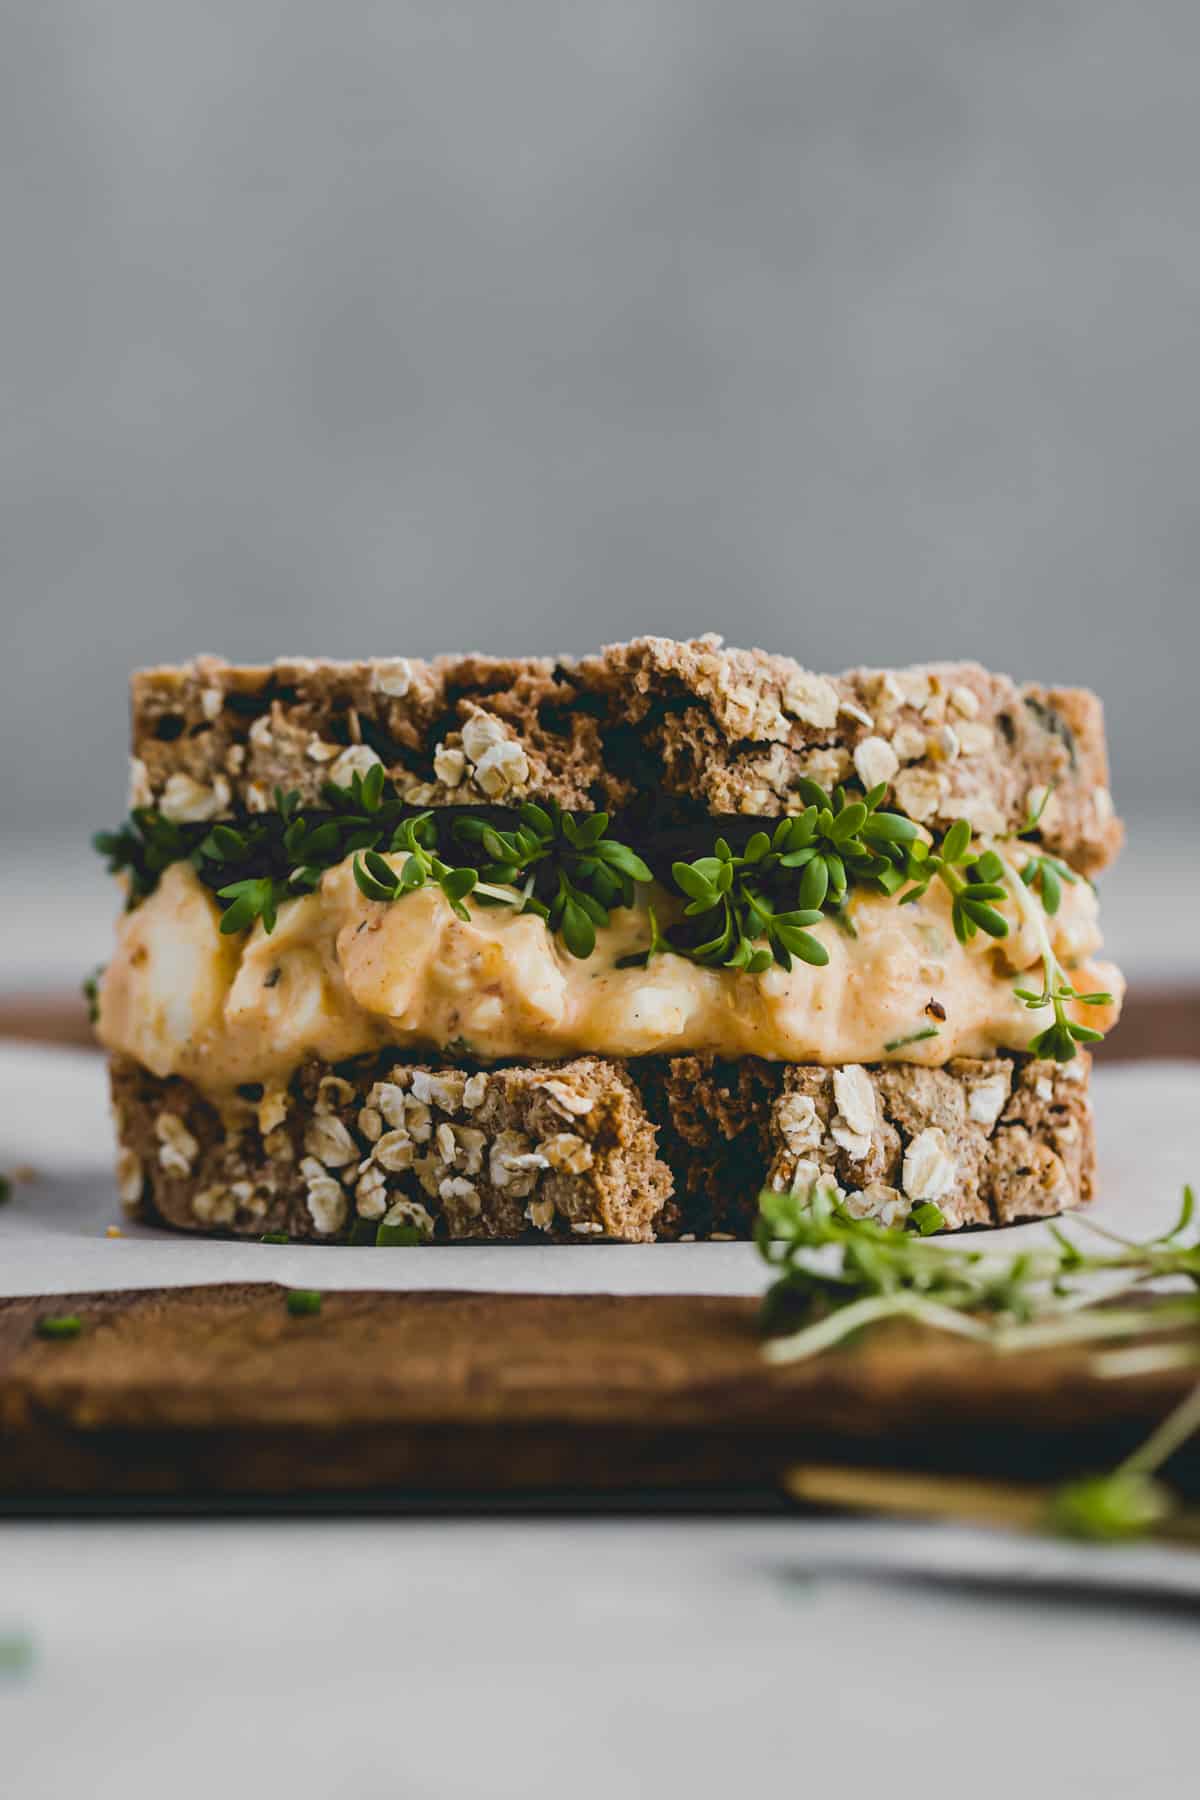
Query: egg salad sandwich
[600, 948]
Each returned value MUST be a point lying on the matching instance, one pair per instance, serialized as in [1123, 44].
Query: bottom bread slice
[593, 1148]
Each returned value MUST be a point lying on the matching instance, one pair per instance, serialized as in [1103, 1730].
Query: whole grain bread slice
[990, 1141]
[556, 1150]
[700, 727]
[594, 1149]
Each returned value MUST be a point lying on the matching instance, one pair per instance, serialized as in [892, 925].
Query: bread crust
[595, 1149]
[710, 729]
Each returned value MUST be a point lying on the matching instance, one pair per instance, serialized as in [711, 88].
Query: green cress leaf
[956, 842]
[250, 901]
[848, 823]
[369, 884]
[986, 917]
[627, 861]
[456, 884]
[372, 787]
[1051, 888]
[788, 928]
[579, 933]
[890, 828]
[814, 885]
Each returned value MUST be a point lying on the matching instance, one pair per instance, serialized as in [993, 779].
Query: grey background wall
[862, 331]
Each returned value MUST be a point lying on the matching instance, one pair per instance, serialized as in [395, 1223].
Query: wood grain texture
[219, 1390]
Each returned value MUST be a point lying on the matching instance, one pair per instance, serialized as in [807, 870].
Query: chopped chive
[303, 1302]
[275, 1237]
[59, 1325]
[927, 1218]
[914, 1037]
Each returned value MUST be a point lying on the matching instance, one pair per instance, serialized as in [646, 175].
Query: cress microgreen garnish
[1044, 872]
[568, 870]
[888, 1272]
[1047, 874]
[416, 839]
[973, 878]
[759, 906]
[1060, 1039]
[836, 1275]
[756, 907]
[735, 903]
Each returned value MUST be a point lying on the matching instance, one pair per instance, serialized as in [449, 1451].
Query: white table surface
[571, 1659]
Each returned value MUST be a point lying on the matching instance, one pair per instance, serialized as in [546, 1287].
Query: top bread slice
[700, 728]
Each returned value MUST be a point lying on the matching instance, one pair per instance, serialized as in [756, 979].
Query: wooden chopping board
[219, 1390]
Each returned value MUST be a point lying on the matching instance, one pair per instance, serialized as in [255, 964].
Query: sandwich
[598, 949]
